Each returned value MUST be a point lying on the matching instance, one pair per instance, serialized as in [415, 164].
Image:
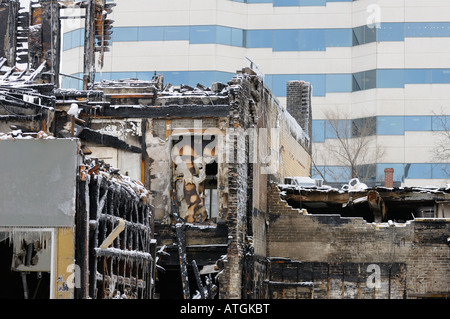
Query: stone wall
[417, 249]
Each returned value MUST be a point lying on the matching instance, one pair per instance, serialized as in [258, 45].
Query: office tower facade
[379, 70]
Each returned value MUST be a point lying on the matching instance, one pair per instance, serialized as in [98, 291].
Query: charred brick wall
[417, 250]
[236, 218]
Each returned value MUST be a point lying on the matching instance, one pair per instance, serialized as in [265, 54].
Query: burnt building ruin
[145, 189]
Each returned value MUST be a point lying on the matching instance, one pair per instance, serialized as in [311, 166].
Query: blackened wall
[417, 250]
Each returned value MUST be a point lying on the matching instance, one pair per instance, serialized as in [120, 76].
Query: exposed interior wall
[420, 245]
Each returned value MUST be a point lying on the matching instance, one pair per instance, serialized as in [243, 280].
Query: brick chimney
[298, 104]
[389, 177]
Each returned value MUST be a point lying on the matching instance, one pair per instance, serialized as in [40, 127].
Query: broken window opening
[194, 173]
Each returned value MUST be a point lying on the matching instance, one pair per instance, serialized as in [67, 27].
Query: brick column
[298, 104]
[389, 177]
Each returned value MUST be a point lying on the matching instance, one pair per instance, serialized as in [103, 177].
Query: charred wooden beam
[191, 111]
[45, 40]
[199, 280]
[107, 140]
[8, 30]
[181, 244]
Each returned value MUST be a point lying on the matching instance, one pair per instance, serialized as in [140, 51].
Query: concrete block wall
[418, 249]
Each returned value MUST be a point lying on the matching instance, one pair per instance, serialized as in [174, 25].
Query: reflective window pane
[176, 77]
[417, 76]
[418, 171]
[417, 123]
[285, 40]
[223, 35]
[390, 32]
[202, 34]
[237, 37]
[205, 78]
[358, 81]
[313, 2]
[440, 29]
[440, 76]
[440, 170]
[390, 125]
[338, 37]
[358, 35]
[279, 83]
[338, 82]
[337, 174]
[417, 29]
[151, 34]
[312, 40]
[440, 123]
[370, 34]
[390, 78]
[67, 41]
[259, 38]
[338, 129]
[285, 3]
[173, 33]
[318, 131]
[124, 34]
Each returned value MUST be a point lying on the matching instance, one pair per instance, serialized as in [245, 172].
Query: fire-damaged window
[194, 176]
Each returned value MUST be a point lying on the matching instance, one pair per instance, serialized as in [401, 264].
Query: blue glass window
[237, 37]
[285, 40]
[151, 34]
[338, 127]
[364, 34]
[417, 123]
[259, 38]
[67, 41]
[440, 29]
[337, 174]
[312, 40]
[202, 34]
[390, 32]
[223, 35]
[390, 78]
[318, 131]
[73, 39]
[205, 78]
[176, 77]
[440, 123]
[285, 3]
[338, 37]
[338, 82]
[417, 76]
[440, 76]
[390, 125]
[364, 80]
[78, 38]
[223, 77]
[417, 29]
[313, 2]
[418, 171]
[440, 171]
[279, 83]
[123, 75]
[176, 33]
[125, 34]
